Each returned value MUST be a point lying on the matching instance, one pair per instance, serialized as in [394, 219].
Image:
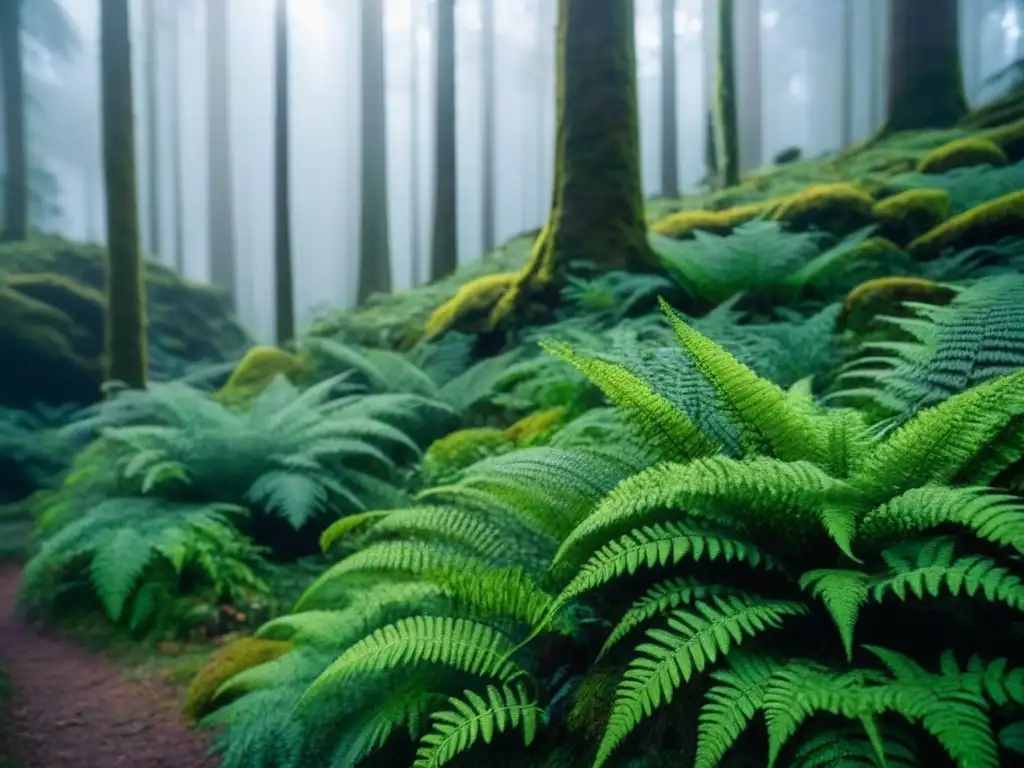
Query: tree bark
[284, 301]
[126, 325]
[152, 126]
[925, 84]
[444, 252]
[597, 214]
[221, 203]
[726, 124]
[15, 153]
[414, 141]
[374, 245]
[488, 97]
[669, 117]
[846, 72]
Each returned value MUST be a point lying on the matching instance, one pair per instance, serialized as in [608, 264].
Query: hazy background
[792, 93]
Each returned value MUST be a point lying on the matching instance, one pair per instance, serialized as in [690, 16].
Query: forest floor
[76, 707]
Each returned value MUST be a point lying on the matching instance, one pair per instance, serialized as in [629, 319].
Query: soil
[73, 709]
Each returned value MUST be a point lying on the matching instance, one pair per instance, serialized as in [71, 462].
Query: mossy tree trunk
[727, 133]
[152, 113]
[597, 215]
[284, 301]
[126, 326]
[221, 207]
[16, 172]
[925, 83]
[444, 251]
[374, 243]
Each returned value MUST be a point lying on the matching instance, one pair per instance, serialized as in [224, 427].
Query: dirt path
[72, 709]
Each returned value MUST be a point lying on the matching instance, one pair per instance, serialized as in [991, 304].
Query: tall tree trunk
[726, 122]
[16, 171]
[414, 141]
[597, 215]
[847, 69]
[177, 152]
[284, 302]
[126, 323]
[221, 189]
[708, 40]
[374, 246]
[152, 126]
[444, 250]
[669, 118]
[487, 98]
[925, 84]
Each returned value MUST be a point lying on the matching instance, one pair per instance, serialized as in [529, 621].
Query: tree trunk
[221, 203]
[487, 97]
[284, 302]
[176, 149]
[847, 69]
[126, 324]
[444, 251]
[669, 119]
[152, 126]
[746, 54]
[374, 246]
[726, 124]
[16, 171]
[925, 84]
[597, 215]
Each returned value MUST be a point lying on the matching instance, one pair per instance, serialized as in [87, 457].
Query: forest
[541, 383]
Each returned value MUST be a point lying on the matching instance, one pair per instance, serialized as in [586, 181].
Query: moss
[986, 223]
[454, 452]
[534, 427]
[260, 366]
[882, 296]
[963, 153]
[187, 323]
[471, 305]
[835, 208]
[45, 348]
[912, 213]
[232, 659]
[684, 223]
[1009, 138]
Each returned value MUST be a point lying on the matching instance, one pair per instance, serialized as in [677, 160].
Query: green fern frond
[671, 432]
[408, 706]
[463, 645]
[769, 423]
[659, 599]
[730, 705]
[843, 592]
[474, 717]
[693, 640]
[994, 517]
[852, 748]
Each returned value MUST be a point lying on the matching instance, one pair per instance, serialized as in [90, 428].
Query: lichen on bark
[597, 214]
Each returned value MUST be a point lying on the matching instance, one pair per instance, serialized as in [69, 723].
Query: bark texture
[597, 215]
[669, 119]
[444, 252]
[727, 132]
[126, 321]
[925, 82]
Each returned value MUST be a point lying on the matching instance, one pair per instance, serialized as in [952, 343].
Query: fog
[797, 87]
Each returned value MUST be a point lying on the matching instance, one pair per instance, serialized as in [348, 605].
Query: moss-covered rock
[1009, 138]
[232, 659]
[189, 324]
[838, 209]
[910, 214]
[684, 223]
[963, 153]
[536, 426]
[986, 223]
[883, 295]
[260, 366]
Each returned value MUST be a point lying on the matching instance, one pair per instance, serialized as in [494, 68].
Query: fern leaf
[118, 566]
[843, 593]
[473, 718]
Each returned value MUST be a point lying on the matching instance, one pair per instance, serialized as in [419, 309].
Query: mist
[810, 76]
